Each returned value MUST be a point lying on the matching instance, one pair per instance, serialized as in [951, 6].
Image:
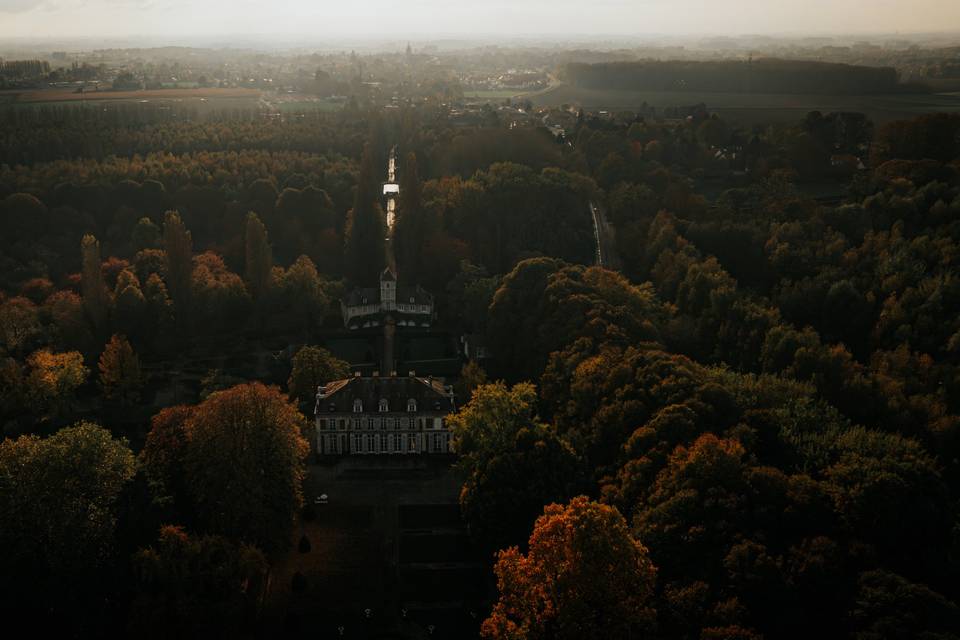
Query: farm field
[754, 107]
[49, 96]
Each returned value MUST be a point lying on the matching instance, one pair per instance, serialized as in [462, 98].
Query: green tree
[584, 577]
[313, 367]
[489, 423]
[146, 235]
[59, 503]
[303, 292]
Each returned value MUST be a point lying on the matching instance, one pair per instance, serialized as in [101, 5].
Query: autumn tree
[366, 228]
[584, 576]
[19, 323]
[243, 462]
[120, 376]
[68, 326]
[162, 459]
[130, 304]
[219, 297]
[313, 367]
[258, 256]
[96, 301]
[52, 378]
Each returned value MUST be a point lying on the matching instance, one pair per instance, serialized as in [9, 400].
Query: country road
[604, 239]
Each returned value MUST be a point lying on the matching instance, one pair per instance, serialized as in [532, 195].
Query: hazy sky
[331, 18]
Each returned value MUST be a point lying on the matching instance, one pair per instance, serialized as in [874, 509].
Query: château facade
[380, 415]
[369, 306]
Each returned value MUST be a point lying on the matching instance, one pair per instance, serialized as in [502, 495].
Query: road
[604, 238]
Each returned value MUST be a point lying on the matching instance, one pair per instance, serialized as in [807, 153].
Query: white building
[369, 307]
[386, 415]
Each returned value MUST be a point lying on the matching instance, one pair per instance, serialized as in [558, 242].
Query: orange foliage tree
[584, 577]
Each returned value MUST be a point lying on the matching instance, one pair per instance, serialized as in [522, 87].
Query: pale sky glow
[331, 18]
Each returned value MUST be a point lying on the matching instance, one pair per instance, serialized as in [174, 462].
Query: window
[412, 443]
[390, 423]
[383, 443]
[358, 406]
[323, 424]
[397, 442]
[436, 443]
[411, 405]
[371, 443]
[357, 443]
[383, 405]
[343, 425]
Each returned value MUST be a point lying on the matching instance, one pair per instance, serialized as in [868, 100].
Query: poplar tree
[92, 287]
[120, 376]
[366, 229]
[413, 225]
[178, 251]
[259, 257]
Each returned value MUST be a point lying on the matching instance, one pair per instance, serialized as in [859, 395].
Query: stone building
[409, 306]
[383, 415]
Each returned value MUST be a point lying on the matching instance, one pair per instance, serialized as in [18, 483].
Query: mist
[176, 20]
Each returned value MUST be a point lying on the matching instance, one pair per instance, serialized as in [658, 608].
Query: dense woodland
[750, 431]
[764, 75]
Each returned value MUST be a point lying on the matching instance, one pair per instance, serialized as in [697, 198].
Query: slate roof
[430, 394]
[371, 295]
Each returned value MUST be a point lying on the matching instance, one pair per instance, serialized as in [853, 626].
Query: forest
[751, 430]
[763, 75]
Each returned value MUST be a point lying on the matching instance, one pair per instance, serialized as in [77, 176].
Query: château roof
[429, 393]
[371, 295]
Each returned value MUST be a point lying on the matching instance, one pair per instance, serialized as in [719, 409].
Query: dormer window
[383, 405]
[358, 406]
[411, 405]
